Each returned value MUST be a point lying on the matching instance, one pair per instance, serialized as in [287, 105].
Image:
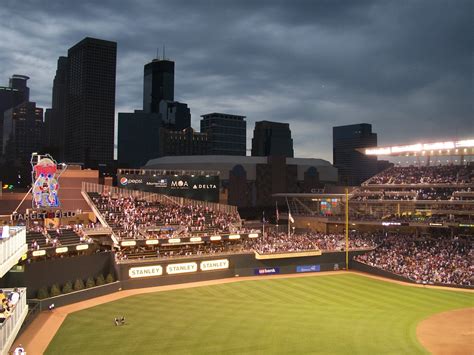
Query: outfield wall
[60, 270]
[48, 272]
[191, 269]
[356, 265]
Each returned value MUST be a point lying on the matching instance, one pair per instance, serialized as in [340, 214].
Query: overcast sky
[406, 67]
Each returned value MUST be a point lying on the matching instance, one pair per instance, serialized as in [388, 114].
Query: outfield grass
[335, 314]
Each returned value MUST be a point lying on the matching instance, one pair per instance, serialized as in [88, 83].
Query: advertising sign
[308, 268]
[181, 268]
[39, 252]
[214, 265]
[45, 176]
[145, 271]
[267, 271]
[43, 214]
[204, 188]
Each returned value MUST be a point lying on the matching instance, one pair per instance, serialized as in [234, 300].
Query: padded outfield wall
[145, 272]
[188, 269]
[48, 272]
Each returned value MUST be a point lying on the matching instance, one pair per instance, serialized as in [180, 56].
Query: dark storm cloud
[405, 67]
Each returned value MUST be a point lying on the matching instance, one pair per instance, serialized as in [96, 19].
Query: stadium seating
[443, 174]
[128, 216]
[33, 236]
[444, 259]
[65, 236]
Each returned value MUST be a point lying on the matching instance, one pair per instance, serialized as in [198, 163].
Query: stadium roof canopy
[460, 147]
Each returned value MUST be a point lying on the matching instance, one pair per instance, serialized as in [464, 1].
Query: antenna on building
[164, 52]
[157, 52]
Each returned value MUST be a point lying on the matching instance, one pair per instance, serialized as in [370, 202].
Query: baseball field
[335, 314]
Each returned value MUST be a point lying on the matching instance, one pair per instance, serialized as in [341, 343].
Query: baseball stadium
[87, 267]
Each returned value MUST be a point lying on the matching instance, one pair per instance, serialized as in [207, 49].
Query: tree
[43, 293]
[109, 278]
[55, 290]
[100, 280]
[90, 282]
[67, 288]
[78, 285]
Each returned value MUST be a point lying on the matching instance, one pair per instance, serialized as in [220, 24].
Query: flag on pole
[263, 218]
[290, 217]
[276, 212]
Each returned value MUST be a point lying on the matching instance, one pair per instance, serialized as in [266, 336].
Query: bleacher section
[424, 175]
[131, 217]
[36, 240]
[65, 236]
[431, 195]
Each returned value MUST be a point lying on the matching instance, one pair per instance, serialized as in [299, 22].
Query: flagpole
[263, 224]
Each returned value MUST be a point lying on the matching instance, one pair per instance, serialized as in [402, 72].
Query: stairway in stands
[65, 236]
[31, 236]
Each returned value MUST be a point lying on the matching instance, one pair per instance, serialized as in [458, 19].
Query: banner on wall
[308, 268]
[181, 268]
[145, 271]
[201, 187]
[214, 265]
[267, 271]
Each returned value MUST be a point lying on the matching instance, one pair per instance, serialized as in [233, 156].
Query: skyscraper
[22, 129]
[185, 142]
[142, 135]
[158, 95]
[175, 116]
[354, 167]
[158, 84]
[272, 138]
[12, 95]
[90, 105]
[138, 138]
[56, 116]
[227, 134]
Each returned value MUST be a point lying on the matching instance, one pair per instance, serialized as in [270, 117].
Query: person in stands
[14, 297]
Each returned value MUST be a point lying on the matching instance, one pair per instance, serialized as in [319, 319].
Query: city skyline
[312, 64]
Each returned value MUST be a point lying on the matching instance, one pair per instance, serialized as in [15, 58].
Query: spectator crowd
[270, 243]
[128, 216]
[8, 302]
[442, 259]
[442, 174]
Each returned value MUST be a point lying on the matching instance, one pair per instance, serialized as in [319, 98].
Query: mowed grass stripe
[332, 314]
[404, 294]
